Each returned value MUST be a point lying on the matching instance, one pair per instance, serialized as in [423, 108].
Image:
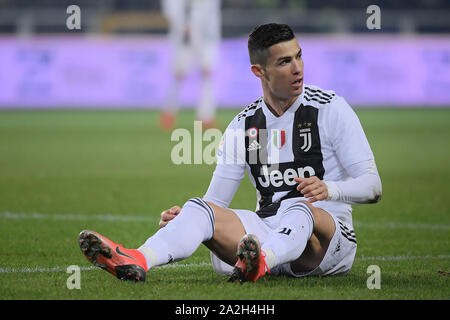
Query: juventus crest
[305, 134]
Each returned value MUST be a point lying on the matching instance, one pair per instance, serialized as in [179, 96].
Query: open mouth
[297, 82]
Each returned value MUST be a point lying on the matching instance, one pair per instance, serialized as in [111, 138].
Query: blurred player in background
[194, 34]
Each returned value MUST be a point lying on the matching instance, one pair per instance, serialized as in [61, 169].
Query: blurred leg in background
[194, 35]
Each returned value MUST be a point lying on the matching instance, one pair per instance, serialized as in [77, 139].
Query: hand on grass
[168, 215]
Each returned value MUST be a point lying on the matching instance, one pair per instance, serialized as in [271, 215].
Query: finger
[315, 189]
[162, 224]
[307, 189]
[311, 187]
[316, 195]
[168, 216]
[319, 197]
[309, 179]
[319, 193]
[175, 210]
[303, 182]
[312, 200]
[163, 213]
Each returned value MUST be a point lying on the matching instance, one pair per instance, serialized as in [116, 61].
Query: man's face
[283, 73]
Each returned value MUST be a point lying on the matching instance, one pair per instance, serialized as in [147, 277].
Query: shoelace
[266, 268]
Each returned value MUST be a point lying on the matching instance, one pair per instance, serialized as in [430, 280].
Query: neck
[278, 106]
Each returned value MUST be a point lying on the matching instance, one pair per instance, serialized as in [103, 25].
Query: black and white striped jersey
[318, 135]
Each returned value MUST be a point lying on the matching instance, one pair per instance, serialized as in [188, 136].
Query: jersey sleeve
[221, 191]
[355, 155]
[231, 153]
[230, 168]
[347, 135]
[364, 186]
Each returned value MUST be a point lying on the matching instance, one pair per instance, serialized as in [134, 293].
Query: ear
[258, 70]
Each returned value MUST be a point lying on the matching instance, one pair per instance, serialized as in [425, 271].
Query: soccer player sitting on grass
[306, 154]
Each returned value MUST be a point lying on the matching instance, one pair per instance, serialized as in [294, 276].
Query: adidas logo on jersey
[254, 146]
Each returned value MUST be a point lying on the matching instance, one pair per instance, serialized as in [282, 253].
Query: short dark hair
[264, 36]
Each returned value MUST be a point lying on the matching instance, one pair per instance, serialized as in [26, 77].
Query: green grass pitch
[110, 171]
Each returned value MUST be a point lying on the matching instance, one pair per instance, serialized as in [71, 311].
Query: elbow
[376, 192]
[375, 199]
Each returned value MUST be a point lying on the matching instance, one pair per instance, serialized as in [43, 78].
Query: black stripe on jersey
[306, 145]
[294, 193]
[283, 179]
[314, 99]
[267, 209]
[250, 107]
[308, 159]
[256, 155]
[256, 158]
[309, 90]
[318, 96]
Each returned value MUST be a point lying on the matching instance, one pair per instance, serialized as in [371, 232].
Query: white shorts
[338, 259]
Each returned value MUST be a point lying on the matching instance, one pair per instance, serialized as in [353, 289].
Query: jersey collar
[292, 109]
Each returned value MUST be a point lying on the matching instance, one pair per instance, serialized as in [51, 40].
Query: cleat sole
[236, 276]
[248, 252]
[93, 247]
[130, 272]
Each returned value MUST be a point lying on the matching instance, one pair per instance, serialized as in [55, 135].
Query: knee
[301, 208]
[199, 206]
[324, 224]
[309, 207]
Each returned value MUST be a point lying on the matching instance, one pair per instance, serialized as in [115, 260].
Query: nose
[297, 66]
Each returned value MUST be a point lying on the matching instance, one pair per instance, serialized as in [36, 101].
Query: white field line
[76, 217]
[207, 264]
[88, 268]
[402, 258]
[114, 218]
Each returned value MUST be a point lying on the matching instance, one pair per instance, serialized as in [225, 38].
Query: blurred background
[238, 16]
[121, 55]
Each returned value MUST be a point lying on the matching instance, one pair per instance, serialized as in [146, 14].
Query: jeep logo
[276, 178]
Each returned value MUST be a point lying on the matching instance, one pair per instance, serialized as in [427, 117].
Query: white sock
[182, 236]
[288, 242]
